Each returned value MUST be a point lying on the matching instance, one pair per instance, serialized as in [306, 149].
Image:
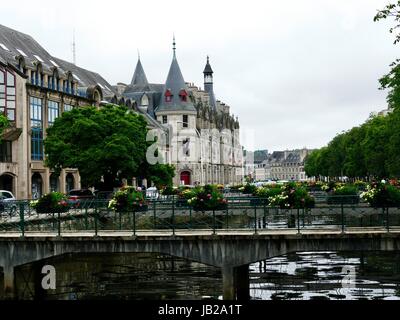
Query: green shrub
[249, 189]
[382, 195]
[52, 202]
[169, 191]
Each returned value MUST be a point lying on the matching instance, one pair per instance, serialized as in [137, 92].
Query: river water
[301, 275]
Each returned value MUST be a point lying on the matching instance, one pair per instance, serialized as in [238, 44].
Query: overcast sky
[296, 72]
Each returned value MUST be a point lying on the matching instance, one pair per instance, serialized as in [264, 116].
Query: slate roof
[139, 77]
[207, 68]
[33, 53]
[175, 83]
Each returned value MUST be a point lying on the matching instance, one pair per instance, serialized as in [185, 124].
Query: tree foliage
[108, 143]
[370, 150]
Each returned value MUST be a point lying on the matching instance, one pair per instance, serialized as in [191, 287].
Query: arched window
[168, 96]
[54, 182]
[145, 100]
[37, 185]
[7, 94]
[183, 95]
[69, 182]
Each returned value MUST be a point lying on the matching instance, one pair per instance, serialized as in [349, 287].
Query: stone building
[202, 136]
[283, 165]
[35, 88]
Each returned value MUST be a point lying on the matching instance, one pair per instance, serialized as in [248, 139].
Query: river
[300, 276]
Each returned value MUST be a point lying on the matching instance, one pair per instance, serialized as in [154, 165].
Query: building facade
[35, 88]
[202, 137]
[283, 165]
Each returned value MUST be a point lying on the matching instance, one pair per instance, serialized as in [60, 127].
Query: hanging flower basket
[128, 199]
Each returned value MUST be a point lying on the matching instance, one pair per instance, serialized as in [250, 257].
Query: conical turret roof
[175, 84]
[139, 77]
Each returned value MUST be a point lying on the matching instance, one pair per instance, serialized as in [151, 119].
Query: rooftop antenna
[138, 54]
[73, 47]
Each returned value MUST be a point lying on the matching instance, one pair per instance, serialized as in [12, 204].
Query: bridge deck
[220, 233]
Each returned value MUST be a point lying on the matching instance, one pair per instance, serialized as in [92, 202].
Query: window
[67, 86]
[185, 146]
[168, 96]
[164, 119]
[68, 107]
[6, 151]
[52, 111]
[183, 95]
[7, 94]
[50, 83]
[185, 121]
[37, 128]
[145, 100]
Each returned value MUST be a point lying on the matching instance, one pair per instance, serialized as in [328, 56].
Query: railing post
[58, 224]
[387, 220]
[298, 220]
[22, 219]
[214, 222]
[190, 218]
[134, 223]
[255, 219]
[342, 213]
[95, 221]
[86, 219]
[154, 214]
[265, 215]
[173, 215]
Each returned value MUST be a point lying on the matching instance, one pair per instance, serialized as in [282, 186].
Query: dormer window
[168, 96]
[144, 101]
[183, 95]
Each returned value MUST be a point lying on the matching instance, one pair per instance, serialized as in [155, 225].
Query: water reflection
[302, 275]
[320, 275]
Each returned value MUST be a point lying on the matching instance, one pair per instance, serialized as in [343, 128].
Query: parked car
[79, 197]
[7, 202]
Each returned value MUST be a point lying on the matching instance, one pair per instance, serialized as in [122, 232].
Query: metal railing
[172, 214]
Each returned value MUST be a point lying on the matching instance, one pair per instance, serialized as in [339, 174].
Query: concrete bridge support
[235, 282]
[9, 282]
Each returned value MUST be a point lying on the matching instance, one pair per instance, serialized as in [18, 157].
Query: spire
[208, 82]
[139, 77]
[207, 69]
[174, 46]
[176, 94]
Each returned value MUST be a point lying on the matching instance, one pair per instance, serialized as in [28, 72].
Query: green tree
[108, 143]
[391, 81]
[161, 175]
[375, 146]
